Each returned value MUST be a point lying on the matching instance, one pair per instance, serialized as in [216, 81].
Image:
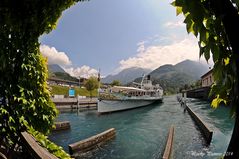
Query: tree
[115, 83]
[91, 84]
[198, 83]
[217, 22]
[25, 100]
[186, 87]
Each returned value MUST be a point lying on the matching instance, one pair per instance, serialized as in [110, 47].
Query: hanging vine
[216, 22]
[25, 103]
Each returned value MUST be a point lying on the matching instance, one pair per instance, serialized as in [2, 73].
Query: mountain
[55, 71]
[174, 77]
[55, 68]
[64, 76]
[126, 75]
[164, 70]
[193, 68]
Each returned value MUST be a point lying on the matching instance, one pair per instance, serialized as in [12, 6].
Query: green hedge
[63, 90]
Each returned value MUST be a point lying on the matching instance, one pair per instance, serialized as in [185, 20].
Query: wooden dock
[74, 103]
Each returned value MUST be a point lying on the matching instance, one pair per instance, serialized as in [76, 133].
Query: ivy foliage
[50, 146]
[24, 96]
[207, 25]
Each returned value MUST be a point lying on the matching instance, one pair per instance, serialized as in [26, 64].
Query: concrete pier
[92, 142]
[206, 131]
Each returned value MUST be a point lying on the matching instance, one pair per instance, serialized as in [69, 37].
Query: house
[203, 91]
[207, 79]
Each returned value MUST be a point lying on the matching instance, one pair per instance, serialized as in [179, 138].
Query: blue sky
[114, 35]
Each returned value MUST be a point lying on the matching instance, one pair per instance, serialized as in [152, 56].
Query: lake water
[142, 133]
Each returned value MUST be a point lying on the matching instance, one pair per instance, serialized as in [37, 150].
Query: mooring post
[77, 101]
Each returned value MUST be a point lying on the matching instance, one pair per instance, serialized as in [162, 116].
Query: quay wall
[206, 131]
[202, 125]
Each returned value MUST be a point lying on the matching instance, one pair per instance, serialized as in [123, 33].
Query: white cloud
[54, 56]
[141, 47]
[60, 58]
[174, 24]
[84, 71]
[154, 56]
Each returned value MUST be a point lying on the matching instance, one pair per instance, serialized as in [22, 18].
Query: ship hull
[105, 106]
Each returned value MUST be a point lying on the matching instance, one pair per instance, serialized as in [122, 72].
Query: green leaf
[179, 3]
[207, 35]
[173, 4]
[207, 53]
[195, 29]
[189, 26]
[23, 121]
[3, 111]
[196, 9]
[226, 61]
[203, 35]
[24, 101]
[216, 101]
[215, 52]
[11, 120]
[236, 2]
[12, 128]
[179, 10]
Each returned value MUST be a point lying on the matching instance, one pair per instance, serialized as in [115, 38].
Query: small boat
[118, 98]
